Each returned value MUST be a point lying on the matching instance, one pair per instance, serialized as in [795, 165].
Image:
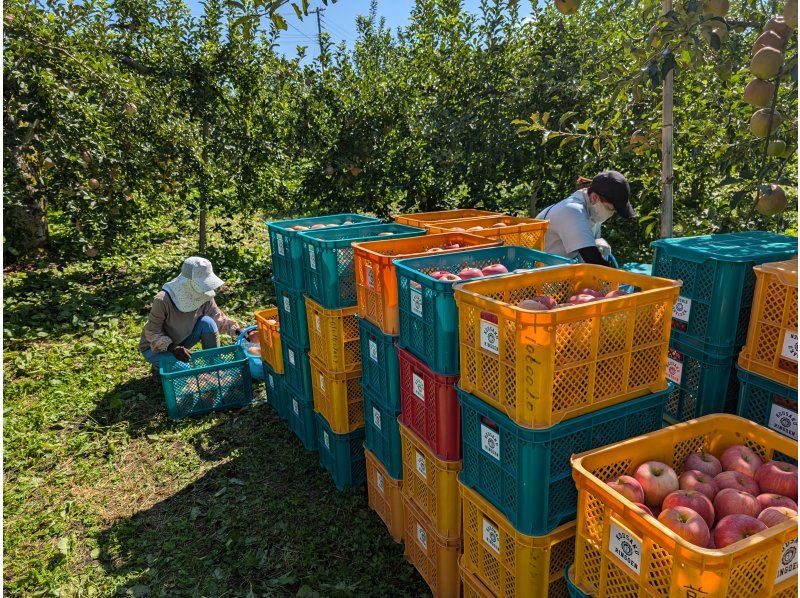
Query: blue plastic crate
[768, 403]
[274, 388]
[256, 370]
[212, 380]
[526, 472]
[301, 417]
[383, 433]
[573, 590]
[342, 455]
[428, 314]
[287, 254]
[292, 315]
[328, 273]
[713, 310]
[380, 370]
[296, 368]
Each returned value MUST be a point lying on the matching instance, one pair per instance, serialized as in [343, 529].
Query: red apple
[581, 299]
[593, 293]
[778, 477]
[628, 487]
[703, 461]
[740, 458]
[687, 524]
[772, 516]
[489, 317]
[711, 544]
[730, 501]
[547, 301]
[738, 481]
[691, 499]
[657, 480]
[317, 226]
[437, 274]
[532, 305]
[767, 500]
[300, 227]
[468, 273]
[733, 528]
[617, 293]
[494, 269]
[449, 277]
[644, 508]
[499, 225]
[699, 481]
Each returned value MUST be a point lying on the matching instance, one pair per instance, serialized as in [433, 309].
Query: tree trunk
[204, 191]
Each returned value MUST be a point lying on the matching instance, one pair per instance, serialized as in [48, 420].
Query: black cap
[614, 188]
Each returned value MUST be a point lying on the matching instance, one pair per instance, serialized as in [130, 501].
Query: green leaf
[63, 545]
[297, 11]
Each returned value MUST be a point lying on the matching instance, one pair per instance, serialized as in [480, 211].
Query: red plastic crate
[429, 406]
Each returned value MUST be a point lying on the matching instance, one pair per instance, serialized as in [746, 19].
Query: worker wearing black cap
[574, 229]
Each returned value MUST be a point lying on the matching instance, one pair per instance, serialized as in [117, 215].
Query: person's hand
[603, 247]
[182, 353]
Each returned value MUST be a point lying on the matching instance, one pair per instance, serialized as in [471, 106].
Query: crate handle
[490, 423]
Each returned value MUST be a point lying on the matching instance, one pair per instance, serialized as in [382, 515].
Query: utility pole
[319, 34]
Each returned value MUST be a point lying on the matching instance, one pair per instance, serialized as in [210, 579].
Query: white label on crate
[625, 546]
[312, 258]
[318, 322]
[376, 418]
[326, 439]
[418, 386]
[490, 441]
[416, 302]
[490, 337]
[271, 382]
[682, 309]
[422, 537]
[783, 420]
[369, 275]
[322, 383]
[674, 370]
[279, 239]
[421, 467]
[295, 406]
[491, 535]
[287, 305]
[291, 356]
[373, 350]
[379, 481]
[789, 350]
[787, 566]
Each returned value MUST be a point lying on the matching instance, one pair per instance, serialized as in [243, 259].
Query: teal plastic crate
[713, 309]
[302, 420]
[296, 368]
[383, 433]
[427, 309]
[274, 388]
[768, 403]
[573, 590]
[342, 455]
[292, 315]
[328, 271]
[212, 380]
[705, 382]
[256, 370]
[287, 254]
[525, 472]
[380, 372]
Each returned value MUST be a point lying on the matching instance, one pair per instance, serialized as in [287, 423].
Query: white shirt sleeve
[573, 227]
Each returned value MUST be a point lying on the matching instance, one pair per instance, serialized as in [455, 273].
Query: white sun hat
[195, 285]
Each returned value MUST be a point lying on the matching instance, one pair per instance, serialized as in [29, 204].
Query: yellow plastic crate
[421, 219]
[657, 561]
[771, 348]
[508, 562]
[473, 588]
[333, 336]
[338, 398]
[269, 337]
[525, 232]
[384, 496]
[431, 483]
[543, 367]
[433, 555]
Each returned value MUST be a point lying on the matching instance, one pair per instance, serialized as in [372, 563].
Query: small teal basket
[287, 254]
[380, 370]
[342, 455]
[296, 368]
[573, 590]
[302, 420]
[256, 370]
[383, 433]
[328, 270]
[292, 315]
[427, 309]
[768, 403]
[274, 387]
[212, 380]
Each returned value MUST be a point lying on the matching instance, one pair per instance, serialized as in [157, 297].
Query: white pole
[666, 147]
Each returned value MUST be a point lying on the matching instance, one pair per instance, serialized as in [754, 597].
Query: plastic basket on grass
[713, 310]
[526, 473]
[423, 218]
[511, 230]
[328, 262]
[338, 397]
[212, 380]
[376, 279]
[342, 455]
[302, 419]
[252, 351]
[508, 562]
[287, 255]
[380, 372]
[382, 433]
[771, 348]
[428, 314]
[269, 337]
[297, 369]
[292, 315]
[274, 388]
[333, 336]
[620, 551]
[384, 496]
[768, 403]
[543, 367]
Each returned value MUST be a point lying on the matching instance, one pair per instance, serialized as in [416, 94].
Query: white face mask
[599, 212]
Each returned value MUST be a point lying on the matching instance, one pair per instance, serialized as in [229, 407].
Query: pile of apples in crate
[716, 501]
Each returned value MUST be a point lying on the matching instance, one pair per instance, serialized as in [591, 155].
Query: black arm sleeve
[592, 255]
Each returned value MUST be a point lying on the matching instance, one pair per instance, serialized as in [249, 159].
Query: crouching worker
[184, 313]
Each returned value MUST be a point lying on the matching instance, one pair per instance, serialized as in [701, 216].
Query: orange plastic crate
[376, 279]
[269, 337]
[333, 336]
[421, 218]
[431, 483]
[542, 367]
[525, 232]
[433, 555]
[384, 497]
[771, 348]
[657, 561]
[473, 588]
[338, 398]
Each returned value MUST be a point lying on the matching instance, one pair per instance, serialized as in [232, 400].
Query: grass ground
[104, 495]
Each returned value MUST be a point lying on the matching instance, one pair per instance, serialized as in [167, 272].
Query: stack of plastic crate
[768, 363]
[711, 317]
[537, 387]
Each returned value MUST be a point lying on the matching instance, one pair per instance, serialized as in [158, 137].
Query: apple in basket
[686, 523]
[533, 305]
[730, 501]
[448, 277]
[691, 499]
[494, 269]
[593, 293]
[617, 293]
[299, 227]
[699, 482]
[256, 350]
[318, 226]
[767, 500]
[499, 225]
[629, 487]
[772, 516]
[738, 481]
[453, 246]
[778, 477]
[252, 336]
[703, 461]
[644, 508]
[581, 298]
[469, 273]
[733, 528]
[740, 458]
[657, 480]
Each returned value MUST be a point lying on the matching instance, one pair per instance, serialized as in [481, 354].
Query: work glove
[603, 247]
[181, 353]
